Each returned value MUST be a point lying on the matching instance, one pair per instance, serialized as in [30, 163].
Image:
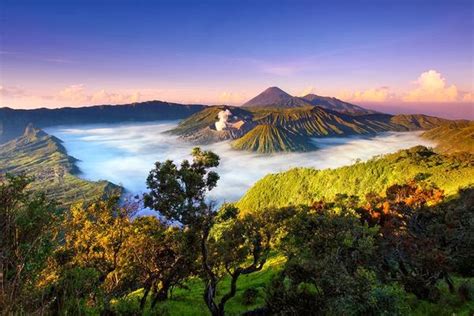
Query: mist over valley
[125, 153]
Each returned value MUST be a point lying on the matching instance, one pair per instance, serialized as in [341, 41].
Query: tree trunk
[211, 282]
[144, 297]
[161, 295]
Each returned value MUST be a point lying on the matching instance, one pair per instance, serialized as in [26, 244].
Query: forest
[404, 249]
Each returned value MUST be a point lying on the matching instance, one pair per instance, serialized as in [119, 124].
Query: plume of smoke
[223, 116]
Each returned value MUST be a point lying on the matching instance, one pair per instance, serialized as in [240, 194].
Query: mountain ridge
[277, 98]
[14, 121]
[42, 156]
[291, 127]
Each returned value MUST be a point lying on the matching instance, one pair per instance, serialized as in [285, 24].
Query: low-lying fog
[125, 153]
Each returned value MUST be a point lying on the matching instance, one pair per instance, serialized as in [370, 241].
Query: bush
[466, 291]
[249, 296]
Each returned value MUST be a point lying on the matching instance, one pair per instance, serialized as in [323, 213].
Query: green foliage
[331, 267]
[249, 296]
[158, 257]
[305, 185]
[179, 193]
[26, 224]
[86, 268]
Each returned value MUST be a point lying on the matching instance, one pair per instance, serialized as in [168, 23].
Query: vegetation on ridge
[453, 137]
[269, 139]
[42, 156]
[305, 185]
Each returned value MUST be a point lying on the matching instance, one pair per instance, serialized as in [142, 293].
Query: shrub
[249, 296]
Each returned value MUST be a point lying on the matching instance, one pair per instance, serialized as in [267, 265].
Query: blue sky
[57, 53]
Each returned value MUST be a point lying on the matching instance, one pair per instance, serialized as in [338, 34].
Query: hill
[334, 104]
[42, 156]
[453, 137]
[275, 97]
[270, 138]
[306, 185]
[295, 125]
[13, 121]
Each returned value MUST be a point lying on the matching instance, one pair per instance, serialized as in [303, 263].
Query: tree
[90, 252]
[159, 256]
[26, 221]
[237, 244]
[331, 266]
[411, 253]
[179, 193]
[225, 240]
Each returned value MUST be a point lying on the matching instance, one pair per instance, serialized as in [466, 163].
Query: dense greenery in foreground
[42, 156]
[305, 185]
[407, 250]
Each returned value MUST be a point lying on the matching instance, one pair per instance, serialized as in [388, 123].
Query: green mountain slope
[454, 137]
[305, 185]
[270, 138]
[42, 156]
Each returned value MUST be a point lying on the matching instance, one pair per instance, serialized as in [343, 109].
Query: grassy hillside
[43, 157]
[270, 138]
[454, 137]
[188, 301]
[305, 185]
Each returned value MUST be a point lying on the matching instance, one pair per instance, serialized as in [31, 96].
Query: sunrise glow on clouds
[429, 87]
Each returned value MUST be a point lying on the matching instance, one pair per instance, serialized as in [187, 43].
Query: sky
[395, 56]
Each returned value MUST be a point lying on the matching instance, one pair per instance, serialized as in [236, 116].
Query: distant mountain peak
[31, 131]
[275, 97]
[275, 90]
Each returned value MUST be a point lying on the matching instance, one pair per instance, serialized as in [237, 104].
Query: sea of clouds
[125, 153]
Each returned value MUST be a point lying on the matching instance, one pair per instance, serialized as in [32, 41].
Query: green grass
[448, 305]
[189, 300]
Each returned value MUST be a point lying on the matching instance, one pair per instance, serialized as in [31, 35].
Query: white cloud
[380, 94]
[232, 98]
[124, 154]
[77, 94]
[432, 87]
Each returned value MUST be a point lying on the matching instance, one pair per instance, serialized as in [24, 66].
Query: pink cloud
[432, 87]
